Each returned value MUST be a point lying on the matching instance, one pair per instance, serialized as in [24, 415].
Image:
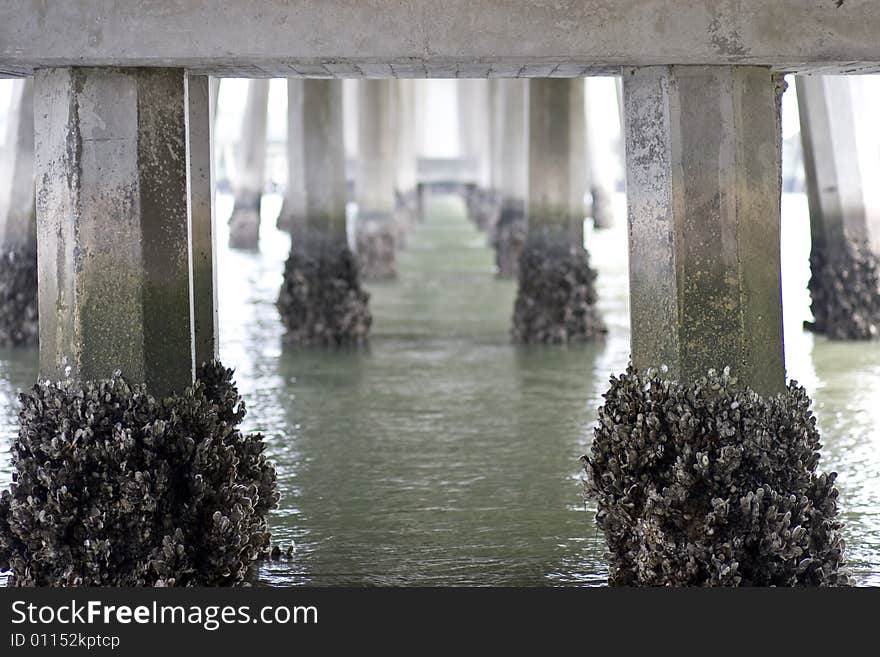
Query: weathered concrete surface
[703, 186]
[376, 232]
[114, 272]
[203, 238]
[17, 227]
[424, 38]
[509, 231]
[293, 209]
[557, 157]
[244, 224]
[406, 181]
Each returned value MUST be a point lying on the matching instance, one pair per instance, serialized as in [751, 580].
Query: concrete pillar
[112, 226]
[17, 226]
[405, 131]
[376, 230]
[508, 233]
[703, 189]
[244, 224]
[475, 142]
[293, 210]
[557, 156]
[556, 298]
[200, 106]
[844, 215]
[321, 300]
[215, 96]
[19, 324]
[599, 170]
[324, 157]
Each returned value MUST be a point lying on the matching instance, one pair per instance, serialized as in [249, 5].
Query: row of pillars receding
[125, 203]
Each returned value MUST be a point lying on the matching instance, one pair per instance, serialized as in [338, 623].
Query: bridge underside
[425, 38]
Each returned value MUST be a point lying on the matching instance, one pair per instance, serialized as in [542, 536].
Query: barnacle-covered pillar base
[321, 300]
[153, 460]
[376, 240]
[244, 223]
[700, 476]
[18, 243]
[556, 297]
[508, 237]
[844, 210]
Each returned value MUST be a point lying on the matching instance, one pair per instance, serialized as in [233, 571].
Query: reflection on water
[441, 454]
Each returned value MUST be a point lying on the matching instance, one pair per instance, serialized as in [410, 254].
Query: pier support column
[149, 460]
[697, 480]
[844, 221]
[18, 244]
[556, 301]
[200, 108]
[599, 162]
[244, 224]
[376, 230]
[475, 142]
[509, 231]
[408, 207]
[321, 300]
[293, 209]
[112, 226]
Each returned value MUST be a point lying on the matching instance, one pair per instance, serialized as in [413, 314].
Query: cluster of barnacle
[112, 487]
[376, 251]
[321, 299]
[845, 291]
[19, 325]
[556, 300]
[482, 206]
[712, 484]
[508, 236]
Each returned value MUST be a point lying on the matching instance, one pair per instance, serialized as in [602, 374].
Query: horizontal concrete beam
[426, 38]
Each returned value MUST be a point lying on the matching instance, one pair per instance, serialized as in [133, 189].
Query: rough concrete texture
[19, 322]
[703, 189]
[376, 249]
[321, 300]
[424, 38]
[115, 488]
[711, 484]
[845, 291]
[293, 209]
[113, 247]
[508, 236]
[556, 299]
[244, 223]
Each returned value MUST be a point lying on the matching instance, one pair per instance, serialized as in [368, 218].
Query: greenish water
[443, 455]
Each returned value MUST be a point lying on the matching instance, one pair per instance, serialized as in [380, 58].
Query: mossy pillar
[704, 472]
[376, 229]
[18, 246]
[321, 300]
[244, 224]
[556, 300]
[200, 102]
[844, 213]
[703, 191]
[508, 233]
[112, 225]
[293, 209]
